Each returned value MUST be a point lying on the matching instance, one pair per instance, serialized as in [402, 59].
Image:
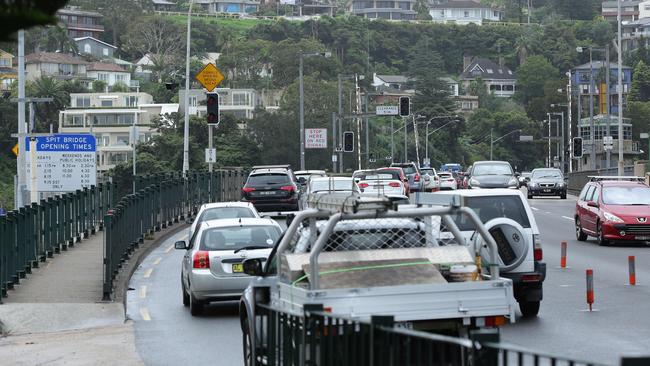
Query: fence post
[3, 257]
[379, 345]
[108, 263]
[485, 356]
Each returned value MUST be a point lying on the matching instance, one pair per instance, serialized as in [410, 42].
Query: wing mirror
[593, 204]
[189, 221]
[180, 245]
[253, 267]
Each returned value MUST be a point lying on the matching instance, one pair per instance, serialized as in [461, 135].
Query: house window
[466, 14]
[107, 103]
[385, 4]
[490, 71]
[122, 139]
[509, 88]
[87, 48]
[240, 99]
[192, 101]
[120, 78]
[105, 51]
[495, 87]
[82, 102]
[65, 69]
[5, 62]
[75, 120]
[496, 14]
[102, 76]
[404, 5]
[131, 101]
[105, 140]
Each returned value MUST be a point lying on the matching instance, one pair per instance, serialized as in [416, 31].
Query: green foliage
[24, 14]
[640, 91]
[119, 87]
[99, 86]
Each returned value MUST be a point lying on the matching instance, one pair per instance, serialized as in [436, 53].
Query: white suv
[520, 258]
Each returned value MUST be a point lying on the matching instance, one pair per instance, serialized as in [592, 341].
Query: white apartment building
[114, 119]
[239, 102]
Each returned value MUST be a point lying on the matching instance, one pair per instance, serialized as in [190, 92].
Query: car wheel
[186, 297]
[580, 235]
[529, 309]
[563, 196]
[248, 345]
[601, 236]
[196, 307]
[530, 196]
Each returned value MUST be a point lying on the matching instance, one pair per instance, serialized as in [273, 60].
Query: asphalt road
[166, 333]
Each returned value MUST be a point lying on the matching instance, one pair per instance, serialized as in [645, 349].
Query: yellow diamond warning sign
[15, 149]
[210, 77]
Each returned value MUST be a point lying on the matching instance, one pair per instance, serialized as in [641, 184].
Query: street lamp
[186, 127]
[302, 102]
[427, 133]
[492, 141]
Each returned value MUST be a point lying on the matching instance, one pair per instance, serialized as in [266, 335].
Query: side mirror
[189, 221]
[253, 267]
[592, 204]
[302, 180]
[180, 245]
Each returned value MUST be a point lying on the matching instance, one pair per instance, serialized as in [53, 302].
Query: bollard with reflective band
[563, 255]
[630, 261]
[590, 287]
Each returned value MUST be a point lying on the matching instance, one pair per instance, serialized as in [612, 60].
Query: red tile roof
[102, 66]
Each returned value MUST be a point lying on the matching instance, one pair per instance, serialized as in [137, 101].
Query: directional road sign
[387, 110]
[210, 77]
[64, 162]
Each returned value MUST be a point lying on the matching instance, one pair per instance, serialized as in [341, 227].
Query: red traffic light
[213, 118]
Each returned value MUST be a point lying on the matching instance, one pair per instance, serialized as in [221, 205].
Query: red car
[613, 210]
[402, 175]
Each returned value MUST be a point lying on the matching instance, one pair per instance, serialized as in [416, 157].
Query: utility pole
[334, 142]
[367, 128]
[570, 140]
[491, 143]
[548, 165]
[19, 189]
[302, 115]
[417, 146]
[621, 139]
[591, 113]
[186, 127]
[607, 113]
[405, 120]
[358, 100]
[340, 113]
[392, 143]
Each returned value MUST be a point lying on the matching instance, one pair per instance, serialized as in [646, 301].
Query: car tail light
[288, 188]
[416, 178]
[494, 321]
[201, 260]
[394, 184]
[531, 278]
[247, 189]
[537, 245]
[363, 185]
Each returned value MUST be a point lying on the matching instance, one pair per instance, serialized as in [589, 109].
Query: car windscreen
[393, 173]
[331, 185]
[626, 196]
[427, 171]
[267, 179]
[218, 213]
[547, 173]
[409, 169]
[492, 169]
[491, 207]
[237, 237]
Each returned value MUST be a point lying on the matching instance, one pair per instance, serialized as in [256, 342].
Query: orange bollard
[563, 255]
[630, 261]
[590, 287]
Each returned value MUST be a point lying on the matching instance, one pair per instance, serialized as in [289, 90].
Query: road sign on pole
[210, 77]
[315, 138]
[387, 110]
[15, 149]
[210, 155]
[64, 162]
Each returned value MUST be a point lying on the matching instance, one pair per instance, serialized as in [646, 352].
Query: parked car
[321, 185]
[431, 181]
[546, 182]
[524, 178]
[272, 189]
[303, 176]
[520, 263]
[386, 182]
[402, 176]
[447, 181]
[212, 268]
[413, 173]
[222, 210]
[613, 210]
[492, 174]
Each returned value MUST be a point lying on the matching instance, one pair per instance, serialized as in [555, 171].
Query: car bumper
[289, 204]
[205, 286]
[415, 186]
[623, 232]
[547, 191]
[528, 285]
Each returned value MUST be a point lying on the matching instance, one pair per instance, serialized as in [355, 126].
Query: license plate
[237, 268]
[267, 193]
[642, 237]
[547, 190]
[404, 325]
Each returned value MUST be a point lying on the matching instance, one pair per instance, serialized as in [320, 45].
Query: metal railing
[577, 180]
[317, 337]
[31, 234]
[160, 201]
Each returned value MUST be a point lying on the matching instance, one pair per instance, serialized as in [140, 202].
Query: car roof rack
[349, 203]
[599, 178]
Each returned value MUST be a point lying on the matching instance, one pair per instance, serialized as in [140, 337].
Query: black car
[492, 174]
[547, 182]
[272, 189]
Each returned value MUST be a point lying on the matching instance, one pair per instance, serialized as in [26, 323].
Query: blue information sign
[60, 142]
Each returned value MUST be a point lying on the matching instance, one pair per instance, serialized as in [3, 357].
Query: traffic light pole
[210, 145]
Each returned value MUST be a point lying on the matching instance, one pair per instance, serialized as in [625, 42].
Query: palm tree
[48, 87]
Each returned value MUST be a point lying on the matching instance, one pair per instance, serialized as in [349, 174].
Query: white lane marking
[157, 261]
[147, 273]
[534, 208]
[549, 212]
[567, 217]
[169, 249]
[143, 292]
[145, 314]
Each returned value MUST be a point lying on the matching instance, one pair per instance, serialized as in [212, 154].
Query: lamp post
[492, 140]
[302, 102]
[561, 132]
[186, 127]
[427, 133]
[619, 47]
[591, 102]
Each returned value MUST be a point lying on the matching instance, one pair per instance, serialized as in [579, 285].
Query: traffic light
[212, 112]
[577, 147]
[404, 106]
[348, 141]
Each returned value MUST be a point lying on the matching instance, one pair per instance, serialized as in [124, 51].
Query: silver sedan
[212, 268]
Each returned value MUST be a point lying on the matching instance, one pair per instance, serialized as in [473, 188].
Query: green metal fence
[160, 200]
[32, 233]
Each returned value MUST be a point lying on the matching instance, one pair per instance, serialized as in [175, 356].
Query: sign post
[210, 77]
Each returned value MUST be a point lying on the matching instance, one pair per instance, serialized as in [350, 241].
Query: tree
[99, 86]
[531, 77]
[640, 90]
[431, 92]
[23, 14]
[119, 87]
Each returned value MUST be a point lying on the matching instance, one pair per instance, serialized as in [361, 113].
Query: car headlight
[611, 217]
[512, 182]
[561, 184]
[474, 183]
[532, 185]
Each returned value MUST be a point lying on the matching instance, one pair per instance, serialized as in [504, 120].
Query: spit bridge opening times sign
[64, 162]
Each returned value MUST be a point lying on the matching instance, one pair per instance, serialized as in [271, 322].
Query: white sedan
[385, 183]
[223, 210]
[212, 267]
[447, 181]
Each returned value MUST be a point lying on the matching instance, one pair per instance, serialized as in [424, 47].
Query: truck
[360, 256]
